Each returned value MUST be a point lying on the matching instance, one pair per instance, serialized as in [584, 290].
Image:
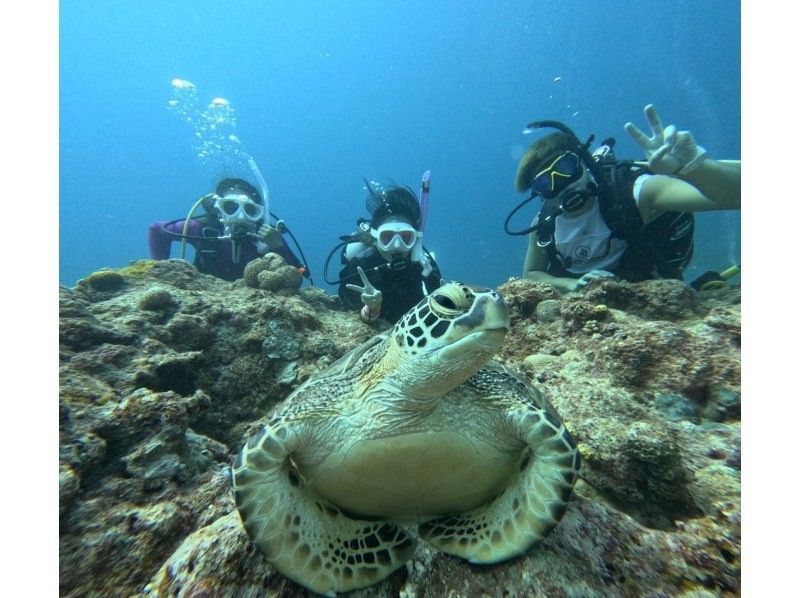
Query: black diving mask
[562, 172]
[572, 197]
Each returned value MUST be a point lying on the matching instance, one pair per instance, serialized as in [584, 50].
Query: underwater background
[325, 94]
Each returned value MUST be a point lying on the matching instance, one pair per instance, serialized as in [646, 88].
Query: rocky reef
[165, 372]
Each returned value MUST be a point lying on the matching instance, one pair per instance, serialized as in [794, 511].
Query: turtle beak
[489, 313]
[479, 343]
[492, 338]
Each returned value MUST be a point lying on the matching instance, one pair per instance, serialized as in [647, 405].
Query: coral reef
[272, 273]
[165, 372]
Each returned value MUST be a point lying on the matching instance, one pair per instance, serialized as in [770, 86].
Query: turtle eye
[444, 301]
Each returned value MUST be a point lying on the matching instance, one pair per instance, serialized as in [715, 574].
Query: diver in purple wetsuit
[233, 231]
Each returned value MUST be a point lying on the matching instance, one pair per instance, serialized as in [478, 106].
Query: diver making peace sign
[387, 256]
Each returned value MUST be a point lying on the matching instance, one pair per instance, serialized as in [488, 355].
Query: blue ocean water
[327, 93]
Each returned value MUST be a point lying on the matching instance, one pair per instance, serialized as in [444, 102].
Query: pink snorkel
[424, 191]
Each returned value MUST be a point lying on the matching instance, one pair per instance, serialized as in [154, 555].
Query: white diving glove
[590, 276]
[668, 150]
[370, 296]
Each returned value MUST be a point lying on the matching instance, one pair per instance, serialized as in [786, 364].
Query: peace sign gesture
[668, 151]
[370, 296]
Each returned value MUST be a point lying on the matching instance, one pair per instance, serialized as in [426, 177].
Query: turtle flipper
[302, 536]
[528, 509]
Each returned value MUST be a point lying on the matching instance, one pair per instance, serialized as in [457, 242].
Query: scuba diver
[601, 217]
[233, 231]
[386, 270]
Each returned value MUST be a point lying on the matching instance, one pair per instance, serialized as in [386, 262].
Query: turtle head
[444, 339]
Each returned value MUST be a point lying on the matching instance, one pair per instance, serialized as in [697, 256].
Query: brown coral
[272, 273]
[158, 299]
[523, 295]
[103, 280]
[651, 299]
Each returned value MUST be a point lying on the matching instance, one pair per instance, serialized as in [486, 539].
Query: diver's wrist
[694, 163]
[369, 314]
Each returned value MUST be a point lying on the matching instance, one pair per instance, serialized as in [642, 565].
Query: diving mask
[566, 182]
[238, 211]
[395, 237]
[564, 170]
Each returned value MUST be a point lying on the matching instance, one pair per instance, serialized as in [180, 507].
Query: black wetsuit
[401, 288]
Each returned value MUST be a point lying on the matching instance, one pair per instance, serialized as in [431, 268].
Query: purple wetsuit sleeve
[160, 240]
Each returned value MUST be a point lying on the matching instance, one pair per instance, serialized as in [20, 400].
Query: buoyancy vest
[659, 249]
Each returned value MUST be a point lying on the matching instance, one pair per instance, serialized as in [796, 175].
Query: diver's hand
[272, 235]
[590, 276]
[668, 150]
[370, 296]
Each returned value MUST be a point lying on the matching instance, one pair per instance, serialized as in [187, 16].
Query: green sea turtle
[415, 427]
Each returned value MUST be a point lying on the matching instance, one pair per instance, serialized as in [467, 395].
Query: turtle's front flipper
[528, 509]
[302, 536]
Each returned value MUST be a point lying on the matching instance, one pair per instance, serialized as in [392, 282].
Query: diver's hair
[375, 193]
[535, 158]
[228, 185]
[397, 201]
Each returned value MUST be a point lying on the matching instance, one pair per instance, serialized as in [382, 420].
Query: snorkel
[261, 183]
[424, 192]
[417, 253]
